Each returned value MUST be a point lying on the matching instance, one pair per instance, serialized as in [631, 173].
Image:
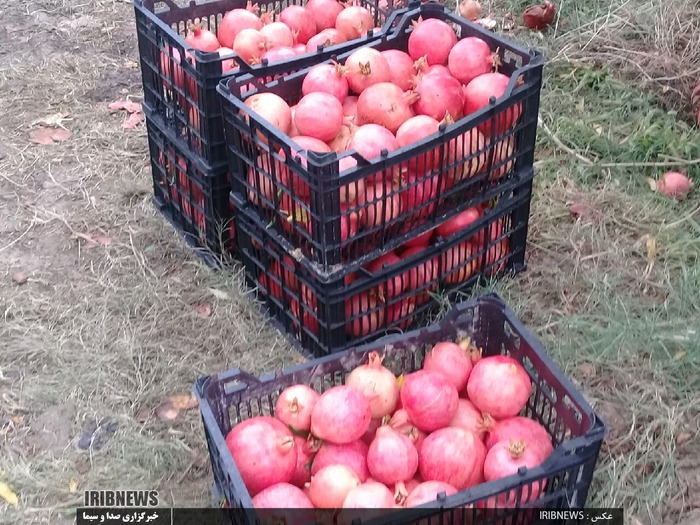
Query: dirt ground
[106, 312]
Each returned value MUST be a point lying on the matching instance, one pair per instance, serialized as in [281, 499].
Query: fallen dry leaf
[683, 437]
[587, 369]
[171, 409]
[54, 121]
[73, 485]
[8, 494]
[134, 120]
[204, 310]
[94, 240]
[20, 277]
[128, 105]
[653, 184]
[219, 294]
[651, 248]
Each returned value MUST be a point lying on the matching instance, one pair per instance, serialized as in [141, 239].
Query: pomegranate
[226, 65]
[276, 54]
[458, 223]
[368, 437]
[354, 21]
[264, 452]
[413, 130]
[393, 287]
[300, 21]
[303, 144]
[273, 109]
[539, 16]
[675, 185]
[300, 49]
[250, 44]
[385, 104]
[428, 492]
[469, 9]
[370, 495]
[353, 455]
[399, 313]
[378, 385]
[282, 496]
[202, 39]
[421, 274]
[236, 20]
[478, 94]
[341, 143]
[331, 485]
[504, 459]
[319, 115]
[448, 455]
[452, 360]
[421, 241]
[469, 418]
[519, 428]
[326, 78]
[305, 455]
[499, 386]
[420, 195]
[468, 152]
[324, 12]
[439, 96]
[350, 106]
[431, 403]
[401, 491]
[278, 34]
[365, 314]
[392, 457]
[326, 38]
[401, 423]
[477, 476]
[371, 139]
[469, 58]
[366, 66]
[400, 67]
[341, 415]
[295, 404]
[383, 204]
[500, 158]
[459, 263]
[432, 39]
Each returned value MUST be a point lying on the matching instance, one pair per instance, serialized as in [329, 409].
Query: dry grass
[112, 330]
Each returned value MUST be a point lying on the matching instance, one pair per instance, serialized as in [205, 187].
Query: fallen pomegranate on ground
[540, 16]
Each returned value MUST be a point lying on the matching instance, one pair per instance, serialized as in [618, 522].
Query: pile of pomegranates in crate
[384, 442]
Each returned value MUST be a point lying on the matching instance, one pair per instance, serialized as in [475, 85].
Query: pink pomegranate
[392, 458]
[264, 452]
[431, 38]
[331, 485]
[378, 385]
[427, 492]
[517, 428]
[499, 386]
[401, 423]
[469, 418]
[452, 360]
[449, 455]
[342, 415]
[353, 455]
[305, 455]
[430, 401]
[282, 496]
[294, 407]
[504, 459]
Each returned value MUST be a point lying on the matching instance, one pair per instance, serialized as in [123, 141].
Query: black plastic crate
[230, 397]
[324, 314]
[312, 211]
[179, 82]
[194, 199]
